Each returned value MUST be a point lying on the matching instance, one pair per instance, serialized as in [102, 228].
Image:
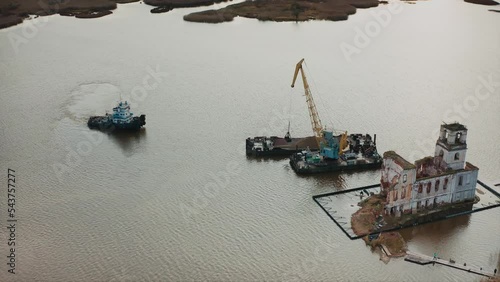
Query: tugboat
[336, 152]
[121, 119]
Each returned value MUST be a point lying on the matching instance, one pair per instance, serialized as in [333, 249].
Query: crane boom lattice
[313, 112]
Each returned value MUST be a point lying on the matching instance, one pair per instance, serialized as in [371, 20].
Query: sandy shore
[284, 10]
[364, 220]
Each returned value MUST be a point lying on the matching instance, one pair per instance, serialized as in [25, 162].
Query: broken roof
[399, 160]
[430, 166]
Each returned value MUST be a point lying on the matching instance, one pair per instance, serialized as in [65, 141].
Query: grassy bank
[13, 12]
[284, 10]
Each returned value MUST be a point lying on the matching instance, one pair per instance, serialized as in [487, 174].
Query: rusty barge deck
[278, 146]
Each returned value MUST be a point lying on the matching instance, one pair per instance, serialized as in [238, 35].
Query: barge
[121, 119]
[337, 151]
[279, 146]
[359, 154]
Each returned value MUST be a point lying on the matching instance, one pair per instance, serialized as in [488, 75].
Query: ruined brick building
[432, 181]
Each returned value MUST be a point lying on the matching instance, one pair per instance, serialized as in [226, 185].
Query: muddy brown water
[181, 201]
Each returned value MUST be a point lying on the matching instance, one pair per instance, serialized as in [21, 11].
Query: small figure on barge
[121, 119]
[336, 152]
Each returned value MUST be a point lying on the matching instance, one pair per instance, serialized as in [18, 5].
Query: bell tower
[451, 145]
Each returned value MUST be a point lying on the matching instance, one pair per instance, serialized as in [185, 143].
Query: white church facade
[430, 182]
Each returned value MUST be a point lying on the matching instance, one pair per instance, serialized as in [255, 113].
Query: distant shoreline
[482, 2]
[284, 10]
[13, 12]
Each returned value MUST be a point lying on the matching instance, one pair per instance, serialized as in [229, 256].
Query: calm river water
[181, 201]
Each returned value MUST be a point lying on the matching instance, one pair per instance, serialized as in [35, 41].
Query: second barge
[360, 154]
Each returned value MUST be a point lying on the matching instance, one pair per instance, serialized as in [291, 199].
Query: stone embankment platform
[425, 259]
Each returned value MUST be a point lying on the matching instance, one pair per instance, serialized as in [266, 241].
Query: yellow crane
[313, 112]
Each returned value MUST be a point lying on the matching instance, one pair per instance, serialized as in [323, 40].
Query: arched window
[445, 185]
[457, 156]
[403, 193]
[436, 185]
[420, 187]
[429, 187]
